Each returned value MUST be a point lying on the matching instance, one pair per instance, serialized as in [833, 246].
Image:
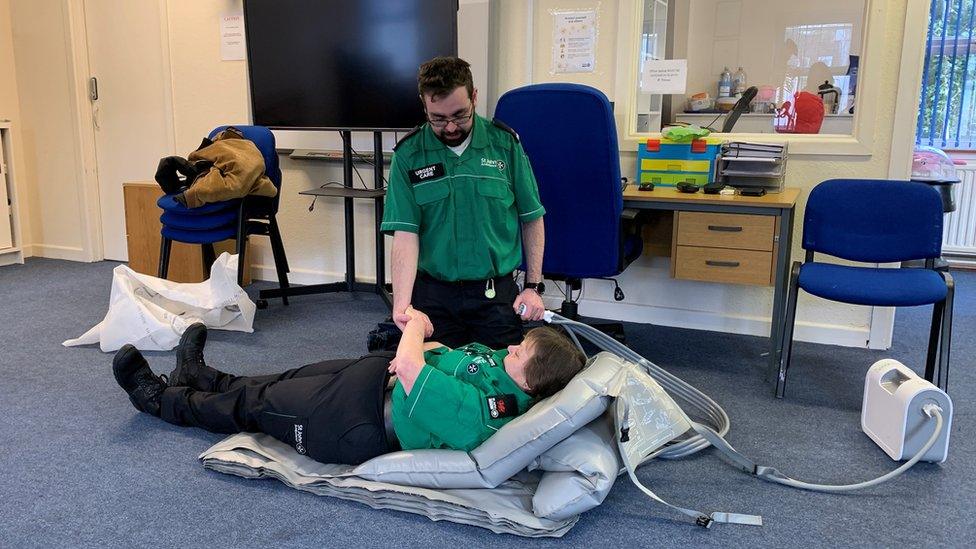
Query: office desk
[730, 239]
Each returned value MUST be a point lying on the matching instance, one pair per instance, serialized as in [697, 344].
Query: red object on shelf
[653, 145]
[804, 115]
[699, 146]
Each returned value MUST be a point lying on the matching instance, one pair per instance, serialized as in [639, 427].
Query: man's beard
[454, 139]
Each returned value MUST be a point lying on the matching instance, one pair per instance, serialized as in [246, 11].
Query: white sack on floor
[152, 313]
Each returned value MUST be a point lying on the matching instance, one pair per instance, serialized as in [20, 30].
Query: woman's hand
[406, 369]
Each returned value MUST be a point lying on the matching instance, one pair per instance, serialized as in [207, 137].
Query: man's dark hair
[442, 75]
[555, 361]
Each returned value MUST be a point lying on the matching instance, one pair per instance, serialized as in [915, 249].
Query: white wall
[207, 92]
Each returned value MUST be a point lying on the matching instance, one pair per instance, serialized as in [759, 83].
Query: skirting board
[69, 253]
[827, 334]
[303, 277]
[678, 318]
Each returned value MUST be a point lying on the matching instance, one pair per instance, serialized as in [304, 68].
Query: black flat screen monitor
[343, 64]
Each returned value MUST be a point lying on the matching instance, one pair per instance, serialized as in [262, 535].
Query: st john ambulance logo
[500, 164]
[473, 368]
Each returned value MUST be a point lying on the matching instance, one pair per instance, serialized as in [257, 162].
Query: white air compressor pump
[894, 413]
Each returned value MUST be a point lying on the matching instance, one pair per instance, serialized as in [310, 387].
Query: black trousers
[461, 313]
[331, 411]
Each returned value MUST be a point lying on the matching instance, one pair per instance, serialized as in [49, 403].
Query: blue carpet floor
[82, 468]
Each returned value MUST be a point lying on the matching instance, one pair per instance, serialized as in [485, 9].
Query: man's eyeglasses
[440, 122]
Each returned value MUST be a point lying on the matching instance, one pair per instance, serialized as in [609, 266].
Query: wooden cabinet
[724, 247]
[142, 228]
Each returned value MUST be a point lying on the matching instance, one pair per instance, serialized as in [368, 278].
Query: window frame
[870, 72]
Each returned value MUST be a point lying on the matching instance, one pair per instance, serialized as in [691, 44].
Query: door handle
[93, 88]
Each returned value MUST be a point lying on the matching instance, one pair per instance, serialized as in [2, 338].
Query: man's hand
[408, 314]
[534, 307]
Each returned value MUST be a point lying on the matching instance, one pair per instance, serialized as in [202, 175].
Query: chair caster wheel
[262, 303]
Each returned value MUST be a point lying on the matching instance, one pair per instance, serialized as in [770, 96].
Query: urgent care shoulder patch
[502, 406]
[432, 171]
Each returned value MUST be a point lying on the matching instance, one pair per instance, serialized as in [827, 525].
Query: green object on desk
[684, 134]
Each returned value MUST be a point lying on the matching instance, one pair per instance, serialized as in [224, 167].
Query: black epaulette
[499, 124]
[410, 134]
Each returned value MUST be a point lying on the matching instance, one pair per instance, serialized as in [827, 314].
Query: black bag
[385, 337]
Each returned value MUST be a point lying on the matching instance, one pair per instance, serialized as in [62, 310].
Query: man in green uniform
[461, 203]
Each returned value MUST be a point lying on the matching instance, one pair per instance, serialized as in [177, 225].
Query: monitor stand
[348, 193]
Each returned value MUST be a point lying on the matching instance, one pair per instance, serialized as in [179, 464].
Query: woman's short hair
[555, 361]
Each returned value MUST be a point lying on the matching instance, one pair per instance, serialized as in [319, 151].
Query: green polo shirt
[467, 209]
[460, 398]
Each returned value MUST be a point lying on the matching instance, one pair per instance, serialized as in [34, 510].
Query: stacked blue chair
[236, 219]
[570, 136]
[874, 221]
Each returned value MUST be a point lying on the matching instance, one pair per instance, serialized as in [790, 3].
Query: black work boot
[133, 374]
[189, 360]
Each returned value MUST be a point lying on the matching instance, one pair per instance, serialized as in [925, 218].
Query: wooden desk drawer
[719, 230]
[723, 265]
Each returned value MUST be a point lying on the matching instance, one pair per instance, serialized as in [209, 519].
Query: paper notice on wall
[664, 76]
[574, 41]
[232, 40]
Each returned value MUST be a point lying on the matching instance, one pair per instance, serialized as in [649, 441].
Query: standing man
[461, 203]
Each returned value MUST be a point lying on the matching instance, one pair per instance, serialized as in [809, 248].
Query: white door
[132, 111]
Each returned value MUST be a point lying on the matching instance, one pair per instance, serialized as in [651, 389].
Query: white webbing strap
[632, 456]
[701, 519]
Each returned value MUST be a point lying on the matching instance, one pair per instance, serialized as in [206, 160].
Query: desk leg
[779, 294]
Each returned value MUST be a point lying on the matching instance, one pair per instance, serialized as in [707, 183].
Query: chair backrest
[265, 142]
[570, 137]
[873, 220]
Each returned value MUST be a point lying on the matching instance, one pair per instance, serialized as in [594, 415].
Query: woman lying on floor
[352, 410]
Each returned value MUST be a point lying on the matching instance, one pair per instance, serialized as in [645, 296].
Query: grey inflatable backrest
[514, 446]
[549, 422]
[580, 471]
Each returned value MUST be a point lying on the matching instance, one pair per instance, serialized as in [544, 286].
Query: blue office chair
[236, 219]
[874, 221]
[569, 134]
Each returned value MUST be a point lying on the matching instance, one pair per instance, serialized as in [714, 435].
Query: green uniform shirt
[466, 209]
[460, 398]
